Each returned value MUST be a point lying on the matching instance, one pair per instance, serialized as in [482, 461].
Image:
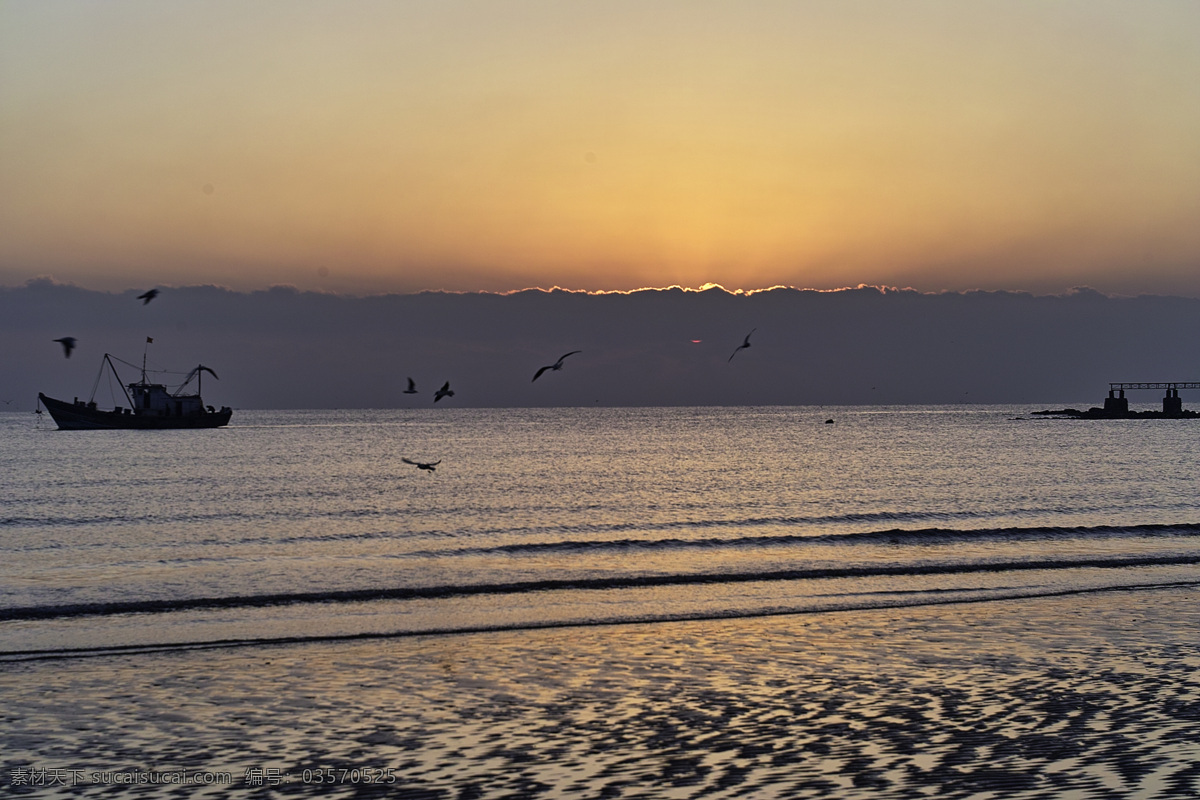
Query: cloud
[287, 348]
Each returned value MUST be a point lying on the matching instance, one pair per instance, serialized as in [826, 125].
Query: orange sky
[380, 146]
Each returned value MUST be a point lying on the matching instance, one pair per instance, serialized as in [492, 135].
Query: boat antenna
[146, 349]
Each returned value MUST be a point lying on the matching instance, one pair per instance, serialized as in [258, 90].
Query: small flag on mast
[149, 340]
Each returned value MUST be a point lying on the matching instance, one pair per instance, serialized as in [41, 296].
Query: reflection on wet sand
[1086, 696]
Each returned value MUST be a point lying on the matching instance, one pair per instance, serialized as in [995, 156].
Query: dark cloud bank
[287, 349]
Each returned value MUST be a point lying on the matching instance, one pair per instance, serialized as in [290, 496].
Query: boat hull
[82, 417]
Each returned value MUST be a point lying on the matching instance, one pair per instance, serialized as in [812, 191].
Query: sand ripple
[1094, 696]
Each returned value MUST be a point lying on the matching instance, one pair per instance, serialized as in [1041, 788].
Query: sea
[294, 526]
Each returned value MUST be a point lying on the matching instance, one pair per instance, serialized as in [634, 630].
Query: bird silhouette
[445, 391]
[412, 387]
[68, 343]
[425, 465]
[146, 297]
[557, 365]
[743, 345]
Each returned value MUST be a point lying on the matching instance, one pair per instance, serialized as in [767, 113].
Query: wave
[307, 515]
[95, 609]
[571, 534]
[915, 600]
[891, 536]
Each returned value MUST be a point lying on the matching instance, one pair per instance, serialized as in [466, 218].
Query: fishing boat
[152, 406]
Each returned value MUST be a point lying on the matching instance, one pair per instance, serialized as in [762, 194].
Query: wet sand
[1094, 695]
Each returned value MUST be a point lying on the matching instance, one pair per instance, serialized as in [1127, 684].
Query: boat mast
[198, 374]
[96, 385]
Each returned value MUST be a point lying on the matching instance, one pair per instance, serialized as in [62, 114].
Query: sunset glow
[381, 147]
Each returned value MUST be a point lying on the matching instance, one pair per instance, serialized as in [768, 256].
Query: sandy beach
[1092, 695]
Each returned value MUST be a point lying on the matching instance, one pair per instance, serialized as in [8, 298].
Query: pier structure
[1172, 404]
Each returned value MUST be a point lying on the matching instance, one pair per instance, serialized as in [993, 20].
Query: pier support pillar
[1173, 403]
[1116, 405]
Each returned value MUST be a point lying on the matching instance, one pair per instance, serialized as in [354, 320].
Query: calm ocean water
[295, 524]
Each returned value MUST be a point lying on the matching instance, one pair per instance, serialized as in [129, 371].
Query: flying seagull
[557, 365]
[445, 391]
[430, 466]
[148, 296]
[68, 343]
[744, 344]
[412, 387]
[197, 371]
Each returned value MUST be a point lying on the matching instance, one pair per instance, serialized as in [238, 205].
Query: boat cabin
[153, 399]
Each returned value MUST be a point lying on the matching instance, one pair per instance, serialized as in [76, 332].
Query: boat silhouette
[152, 406]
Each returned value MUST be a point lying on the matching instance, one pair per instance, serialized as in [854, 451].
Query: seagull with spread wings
[146, 297]
[412, 387]
[68, 344]
[557, 365]
[445, 391]
[425, 465]
[743, 345]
